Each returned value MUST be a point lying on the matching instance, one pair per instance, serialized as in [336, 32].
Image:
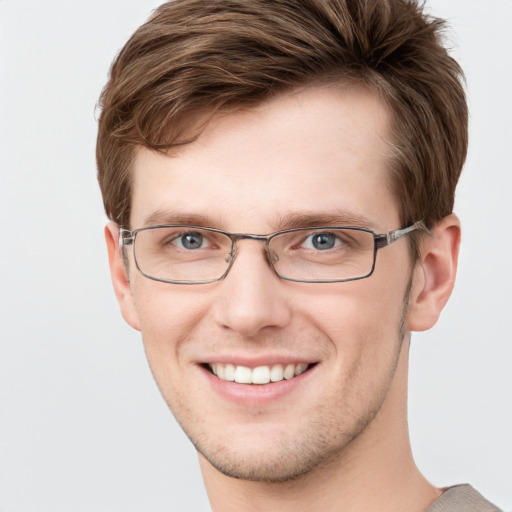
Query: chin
[278, 458]
[272, 468]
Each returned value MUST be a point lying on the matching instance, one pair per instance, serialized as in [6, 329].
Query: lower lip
[255, 395]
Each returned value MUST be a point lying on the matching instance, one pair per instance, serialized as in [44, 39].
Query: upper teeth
[258, 375]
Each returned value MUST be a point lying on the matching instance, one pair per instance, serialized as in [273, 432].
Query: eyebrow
[290, 220]
[158, 217]
[312, 219]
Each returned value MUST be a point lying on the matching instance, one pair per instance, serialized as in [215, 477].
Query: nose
[252, 297]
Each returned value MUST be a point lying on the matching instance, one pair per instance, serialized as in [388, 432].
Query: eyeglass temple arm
[393, 236]
[125, 237]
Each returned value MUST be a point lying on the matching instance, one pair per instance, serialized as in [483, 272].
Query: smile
[259, 375]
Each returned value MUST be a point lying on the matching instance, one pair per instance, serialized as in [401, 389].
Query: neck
[376, 471]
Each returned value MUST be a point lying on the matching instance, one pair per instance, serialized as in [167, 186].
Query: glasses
[198, 255]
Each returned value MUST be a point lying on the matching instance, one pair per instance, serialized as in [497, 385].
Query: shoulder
[462, 498]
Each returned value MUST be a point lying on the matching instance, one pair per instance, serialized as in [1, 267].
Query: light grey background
[82, 426]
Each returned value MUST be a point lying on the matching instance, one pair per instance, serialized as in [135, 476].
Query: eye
[190, 241]
[321, 241]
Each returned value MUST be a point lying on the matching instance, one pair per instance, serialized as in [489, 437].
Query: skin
[340, 435]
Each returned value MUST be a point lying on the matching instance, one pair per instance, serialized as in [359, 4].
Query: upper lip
[255, 361]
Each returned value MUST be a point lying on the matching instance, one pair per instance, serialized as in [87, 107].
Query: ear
[434, 274]
[119, 275]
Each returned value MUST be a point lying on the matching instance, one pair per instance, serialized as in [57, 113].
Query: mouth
[259, 375]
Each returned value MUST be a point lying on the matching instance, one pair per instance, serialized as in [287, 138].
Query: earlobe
[118, 272]
[434, 274]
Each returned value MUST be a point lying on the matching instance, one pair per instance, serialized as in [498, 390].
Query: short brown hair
[197, 57]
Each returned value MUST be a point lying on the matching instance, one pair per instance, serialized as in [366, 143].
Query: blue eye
[191, 240]
[321, 241]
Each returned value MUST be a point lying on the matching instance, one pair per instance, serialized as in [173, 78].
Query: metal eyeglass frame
[127, 237]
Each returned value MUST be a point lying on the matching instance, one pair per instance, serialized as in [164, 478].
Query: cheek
[168, 316]
[163, 306]
[362, 323]
[357, 307]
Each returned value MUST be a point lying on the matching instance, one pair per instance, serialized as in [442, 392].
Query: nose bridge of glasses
[247, 236]
[256, 238]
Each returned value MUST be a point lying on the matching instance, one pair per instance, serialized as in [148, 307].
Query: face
[316, 156]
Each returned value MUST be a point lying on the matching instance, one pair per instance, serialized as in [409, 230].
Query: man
[280, 178]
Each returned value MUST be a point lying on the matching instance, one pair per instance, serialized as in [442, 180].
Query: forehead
[318, 151]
